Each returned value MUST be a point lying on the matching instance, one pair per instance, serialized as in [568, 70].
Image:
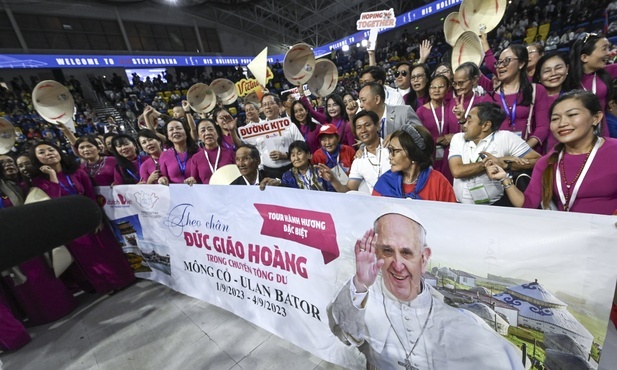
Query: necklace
[94, 169]
[567, 199]
[406, 363]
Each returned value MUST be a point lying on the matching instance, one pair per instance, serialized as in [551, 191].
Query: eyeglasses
[460, 83]
[438, 87]
[505, 62]
[400, 73]
[392, 152]
[418, 76]
[587, 37]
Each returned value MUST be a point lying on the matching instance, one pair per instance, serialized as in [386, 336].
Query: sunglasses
[400, 73]
[587, 37]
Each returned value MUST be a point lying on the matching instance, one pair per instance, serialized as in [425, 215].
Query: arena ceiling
[279, 22]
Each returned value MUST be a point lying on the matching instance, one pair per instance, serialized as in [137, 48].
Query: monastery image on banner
[525, 313]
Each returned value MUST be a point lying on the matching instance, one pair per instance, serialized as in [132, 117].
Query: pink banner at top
[310, 228]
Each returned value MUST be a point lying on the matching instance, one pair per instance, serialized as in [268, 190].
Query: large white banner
[278, 258]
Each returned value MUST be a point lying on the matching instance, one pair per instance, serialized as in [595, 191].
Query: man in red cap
[332, 153]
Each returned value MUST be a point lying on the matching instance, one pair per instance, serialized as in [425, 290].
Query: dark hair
[309, 118]
[69, 164]
[285, 95]
[489, 111]
[524, 85]
[219, 130]
[445, 64]
[424, 158]
[591, 102]
[404, 63]
[376, 90]
[550, 55]
[150, 135]
[339, 101]
[412, 97]
[377, 73]
[254, 152]
[277, 100]
[364, 113]
[354, 94]
[300, 145]
[86, 138]
[191, 145]
[124, 165]
[108, 134]
[217, 111]
[586, 46]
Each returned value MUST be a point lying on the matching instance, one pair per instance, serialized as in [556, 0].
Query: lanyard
[330, 159]
[443, 115]
[138, 167]
[181, 164]
[562, 197]
[383, 123]
[473, 96]
[304, 129]
[230, 147]
[306, 179]
[339, 124]
[216, 162]
[373, 165]
[72, 190]
[511, 114]
[593, 84]
[256, 180]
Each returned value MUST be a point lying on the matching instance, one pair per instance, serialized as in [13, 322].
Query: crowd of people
[402, 123]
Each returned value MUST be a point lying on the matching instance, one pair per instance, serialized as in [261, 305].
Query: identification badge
[479, 194]
[439, 152]
[340, 174]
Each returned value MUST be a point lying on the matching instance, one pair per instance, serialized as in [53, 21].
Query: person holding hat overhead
[332, 153]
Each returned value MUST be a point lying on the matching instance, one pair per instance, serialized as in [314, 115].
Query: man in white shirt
[482, 141]
[375, 159]
[378, 74]
[272, 142]
[397, 320]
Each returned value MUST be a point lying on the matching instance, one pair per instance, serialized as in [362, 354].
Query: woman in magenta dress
[213, 156]
[579, 174]
[228, 125]
[13, 335]
[97, 255]
[589, 70]
[335, 114]
[124, 149]
[100, 168]
[152, 145]
[418, 94]
[175, 163]
[552, 72]
[303, 120]
[438, 118]
[520, 99]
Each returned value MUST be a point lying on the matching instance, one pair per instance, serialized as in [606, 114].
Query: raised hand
[367, 265]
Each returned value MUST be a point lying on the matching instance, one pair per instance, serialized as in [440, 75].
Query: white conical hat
[225, 175]
[481, 15]
[324, 79]
[298, 64]
[468, 48]
[259, 66]
[225, 90]
[452, 28]
[7, 136]
[201, 98]
[53, 101]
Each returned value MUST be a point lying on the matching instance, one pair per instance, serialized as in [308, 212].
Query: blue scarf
[332, 158]
[390, 184]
